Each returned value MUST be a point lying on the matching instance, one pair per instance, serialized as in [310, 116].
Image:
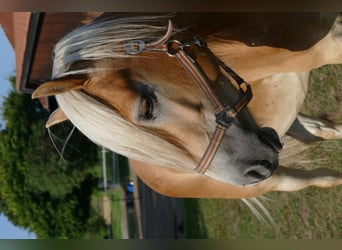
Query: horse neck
[299, 31]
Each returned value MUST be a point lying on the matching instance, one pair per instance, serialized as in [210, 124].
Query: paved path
[161, 217]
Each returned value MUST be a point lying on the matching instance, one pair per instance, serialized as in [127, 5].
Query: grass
[307, 214]
[98, 226]
[115, 197]
[117, 174]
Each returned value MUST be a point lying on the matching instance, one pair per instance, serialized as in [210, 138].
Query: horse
[131, 82]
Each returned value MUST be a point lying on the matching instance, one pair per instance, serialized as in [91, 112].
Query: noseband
[185, 52]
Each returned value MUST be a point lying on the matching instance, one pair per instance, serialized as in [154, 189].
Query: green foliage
[40, 190]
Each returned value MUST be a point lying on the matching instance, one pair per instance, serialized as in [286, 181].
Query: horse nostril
[256, 175]
[260, 170]
[270, 138]
[265, 163]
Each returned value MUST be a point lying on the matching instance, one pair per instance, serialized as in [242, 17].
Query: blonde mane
[108, 38]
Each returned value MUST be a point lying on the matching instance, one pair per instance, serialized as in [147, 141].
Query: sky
[7, 69]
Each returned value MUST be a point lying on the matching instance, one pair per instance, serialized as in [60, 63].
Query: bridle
[225, 113]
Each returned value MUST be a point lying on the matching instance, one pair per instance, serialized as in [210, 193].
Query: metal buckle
[226, 117]
[173, 46]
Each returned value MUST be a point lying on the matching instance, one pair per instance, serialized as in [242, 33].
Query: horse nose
[260, 170]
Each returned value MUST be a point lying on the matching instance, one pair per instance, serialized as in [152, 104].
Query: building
[33, 36]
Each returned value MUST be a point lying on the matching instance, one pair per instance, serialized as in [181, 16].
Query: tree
[40, 190]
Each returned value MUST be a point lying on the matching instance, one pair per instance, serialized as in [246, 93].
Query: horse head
[148, 107]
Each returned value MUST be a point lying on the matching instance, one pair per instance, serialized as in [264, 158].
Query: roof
[33, 36]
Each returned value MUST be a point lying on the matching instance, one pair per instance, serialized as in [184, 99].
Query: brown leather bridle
[184, 52]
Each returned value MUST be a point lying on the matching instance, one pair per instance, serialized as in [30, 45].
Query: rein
[225, 113]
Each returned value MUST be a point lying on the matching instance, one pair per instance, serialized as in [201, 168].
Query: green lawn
[115, 197]
[117, 176]
[98, 226]
[308, 214]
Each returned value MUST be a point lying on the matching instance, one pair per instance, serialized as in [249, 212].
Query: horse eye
[147, 106]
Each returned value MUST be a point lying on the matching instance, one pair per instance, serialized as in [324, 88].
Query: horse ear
[56, 117]
[58, 86]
